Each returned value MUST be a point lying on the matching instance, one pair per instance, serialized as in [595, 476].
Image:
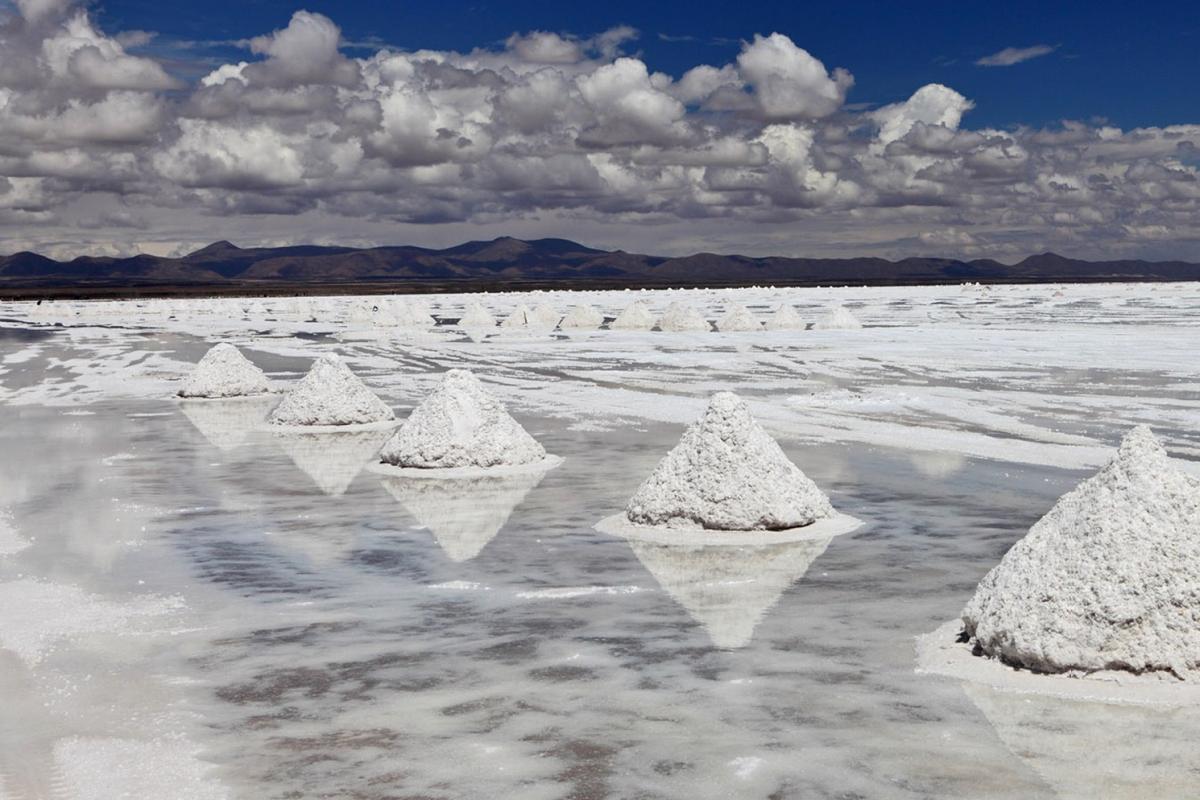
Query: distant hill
[516, 263]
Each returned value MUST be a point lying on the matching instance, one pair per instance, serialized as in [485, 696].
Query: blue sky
[1127, 63]
[893, 129]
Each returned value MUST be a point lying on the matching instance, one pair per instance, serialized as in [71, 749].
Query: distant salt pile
[738, 318]
[476, 316]
[636, 317]
[521, 317]
[225, 372]
[1109, 579]
[681, 317]
[461, 425]
[728, 474]
[582, 318]
[330, 394]
[838, 318]
[545, 316]
[785, 318]
[412, 316]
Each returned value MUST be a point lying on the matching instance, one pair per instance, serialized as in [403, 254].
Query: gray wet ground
[332, 633]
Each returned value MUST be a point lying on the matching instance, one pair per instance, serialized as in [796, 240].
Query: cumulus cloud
[1015, 55]
[550, 133]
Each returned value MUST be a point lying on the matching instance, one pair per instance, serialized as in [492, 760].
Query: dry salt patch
[224, 372]
[462, 427]
[582, 318]
[838, 318]
[727, 482]
[1100, 599]
[636, 317]
[785, 318]
[738, 318]
[681, 317]
[571, 592]
[330, 396]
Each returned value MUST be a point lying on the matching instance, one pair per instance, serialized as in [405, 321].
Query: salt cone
[738, 318]
[476, 316]
[545, 316]
[837, 318]
[330, 394]
[727, 473]
[582, 318]
[460, 425]
[785, 318]
[636, 317]
[1109, 579]
[225, 372]
[680, 317]
[521, 317]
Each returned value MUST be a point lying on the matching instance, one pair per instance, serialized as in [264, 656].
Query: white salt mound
[739, 318]
[476, 316]
[544, 316]
[330, 394]
[522, 317]
[225, 372]
[727, 473]
[785, 318]
[460, 425]
[636, 317]
[582, 318]
[680, 317]
[838, 318]
[1109, 579]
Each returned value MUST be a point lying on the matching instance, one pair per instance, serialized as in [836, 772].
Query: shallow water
[192, 606]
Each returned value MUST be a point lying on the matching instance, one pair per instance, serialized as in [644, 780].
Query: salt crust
[582, 318]
[838, 318]
[785, 318]
[680, 317]
[451, 473]
[1109, 579]
[225, 372]
[827, 528]
[636, 317]
[727, 473]
[330, 395]
[461, 425]
[738, 318]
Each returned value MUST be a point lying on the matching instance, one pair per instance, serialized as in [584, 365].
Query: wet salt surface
[266, 623]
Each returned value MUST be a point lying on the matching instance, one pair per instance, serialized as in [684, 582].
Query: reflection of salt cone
[728, 590]
[226, 424]
[463, 514]
[1094, 750]
[332, 460]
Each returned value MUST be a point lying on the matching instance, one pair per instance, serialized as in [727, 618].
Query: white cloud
[1015, 55]
[788, 82]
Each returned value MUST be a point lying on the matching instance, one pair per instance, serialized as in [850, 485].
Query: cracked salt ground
[259, 638]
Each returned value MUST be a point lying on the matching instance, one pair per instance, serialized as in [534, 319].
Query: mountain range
[514, 263]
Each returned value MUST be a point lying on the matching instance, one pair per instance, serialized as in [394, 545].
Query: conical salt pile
[1108, 579]
[545, 316]
[728, 590]
[582, 318]
[636, 317]
[838, 318]
[463, 514]
[476, 316]
[520, 318]
[738, 318]
[680, 317]
[460, 425]
[330, 394]
[225, 372]
[727, 473]
[785, 318]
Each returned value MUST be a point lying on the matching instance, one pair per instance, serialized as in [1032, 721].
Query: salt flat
[266, 619]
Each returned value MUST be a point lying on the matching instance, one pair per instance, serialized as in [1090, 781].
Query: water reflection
[728, 590]
[1089, 750]
[463, 514]
[332, 459]
[227, 424]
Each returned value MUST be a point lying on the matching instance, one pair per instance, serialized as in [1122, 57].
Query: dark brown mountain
[508, 262]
